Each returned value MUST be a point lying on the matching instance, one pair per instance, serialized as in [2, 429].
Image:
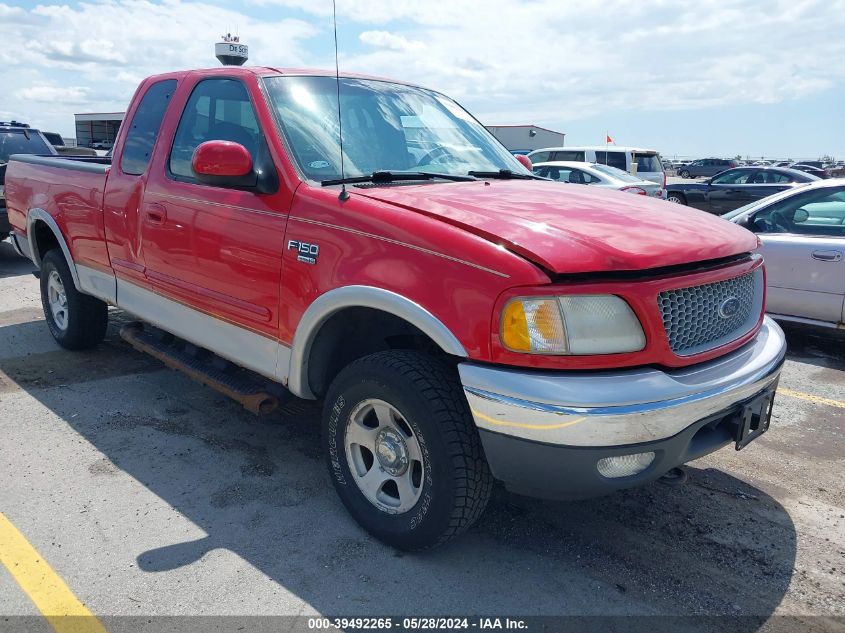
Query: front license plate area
[754, 417]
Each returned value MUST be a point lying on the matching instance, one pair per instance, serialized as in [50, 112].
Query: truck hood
[574, 228]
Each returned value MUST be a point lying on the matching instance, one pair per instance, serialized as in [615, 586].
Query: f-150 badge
[305, 252]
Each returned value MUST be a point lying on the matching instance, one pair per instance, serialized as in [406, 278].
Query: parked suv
[644, 163]
[706, 167]
[16, 138]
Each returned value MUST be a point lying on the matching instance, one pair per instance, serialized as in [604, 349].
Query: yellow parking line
[63, 610]
[810, 397]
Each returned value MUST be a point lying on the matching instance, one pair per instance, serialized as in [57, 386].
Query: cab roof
[267, 71]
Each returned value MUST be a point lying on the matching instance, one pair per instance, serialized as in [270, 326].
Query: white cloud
[72, 95]
[99, 51]
[548, 60]
[391, 41]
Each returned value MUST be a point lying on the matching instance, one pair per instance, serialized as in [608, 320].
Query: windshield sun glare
[386, 127]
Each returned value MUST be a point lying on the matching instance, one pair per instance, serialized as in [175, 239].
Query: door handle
[827, 256]
[155, 213]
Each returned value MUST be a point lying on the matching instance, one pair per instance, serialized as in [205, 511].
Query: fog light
[624, 465]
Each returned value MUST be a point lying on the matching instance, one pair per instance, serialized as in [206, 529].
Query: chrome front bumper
[612, 409]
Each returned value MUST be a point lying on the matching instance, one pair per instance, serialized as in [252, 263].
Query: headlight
[571, 324]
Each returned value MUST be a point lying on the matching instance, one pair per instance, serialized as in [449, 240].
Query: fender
[40, 214]
[360, 297]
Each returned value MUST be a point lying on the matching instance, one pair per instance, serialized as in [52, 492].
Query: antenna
[344, 194]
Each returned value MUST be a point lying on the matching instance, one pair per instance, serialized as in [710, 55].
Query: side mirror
[229, 165]
[747, 222]
[221, 159]
[525, 161]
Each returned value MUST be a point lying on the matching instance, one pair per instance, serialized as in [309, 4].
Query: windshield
[18, 143]
[386, 127]
[616, 173]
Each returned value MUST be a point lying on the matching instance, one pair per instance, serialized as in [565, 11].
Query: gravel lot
[151, 495]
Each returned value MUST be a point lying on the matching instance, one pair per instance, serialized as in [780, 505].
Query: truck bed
[92, 164]
[70, 190]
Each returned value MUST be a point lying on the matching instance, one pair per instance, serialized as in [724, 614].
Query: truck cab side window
[142, 134]
[219, 109]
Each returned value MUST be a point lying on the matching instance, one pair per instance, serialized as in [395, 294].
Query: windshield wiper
[504, 174]
[393, 176]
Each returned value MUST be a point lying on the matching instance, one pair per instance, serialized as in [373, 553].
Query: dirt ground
[151, 495]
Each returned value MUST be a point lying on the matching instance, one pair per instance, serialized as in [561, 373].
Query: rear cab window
[142, 135]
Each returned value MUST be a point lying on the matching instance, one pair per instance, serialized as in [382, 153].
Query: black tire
[87, 316]
[457, 481]
[3, 236]
[677, 198]
[684, 174]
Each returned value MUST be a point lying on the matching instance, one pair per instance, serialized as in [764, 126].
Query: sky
[706, 78]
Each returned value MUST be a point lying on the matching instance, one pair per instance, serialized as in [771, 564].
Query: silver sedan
[802, 232]
[598, 175]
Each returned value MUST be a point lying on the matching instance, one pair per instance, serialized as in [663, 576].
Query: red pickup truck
[462, 319]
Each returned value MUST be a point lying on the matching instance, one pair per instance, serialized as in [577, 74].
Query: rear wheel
[403, 451]
[677, 198]
[77, 321]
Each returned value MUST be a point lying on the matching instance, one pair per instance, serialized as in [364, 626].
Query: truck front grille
[704, 317]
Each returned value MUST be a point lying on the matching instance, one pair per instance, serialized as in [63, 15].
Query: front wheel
[677, 198]
[684, 174]
[77, 321]
[402, 449]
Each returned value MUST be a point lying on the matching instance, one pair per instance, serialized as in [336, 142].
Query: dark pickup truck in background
[16, 138]
[737, 187]
[58, 144]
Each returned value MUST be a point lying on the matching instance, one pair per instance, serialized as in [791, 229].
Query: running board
[250, 390]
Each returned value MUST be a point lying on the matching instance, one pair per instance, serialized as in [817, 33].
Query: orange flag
[609, 140]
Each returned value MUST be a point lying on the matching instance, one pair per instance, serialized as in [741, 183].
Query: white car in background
[645, 163]
[803, 242]
[598, 175]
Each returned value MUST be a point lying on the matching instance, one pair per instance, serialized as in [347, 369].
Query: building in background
[521, 139]
[97, 127]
